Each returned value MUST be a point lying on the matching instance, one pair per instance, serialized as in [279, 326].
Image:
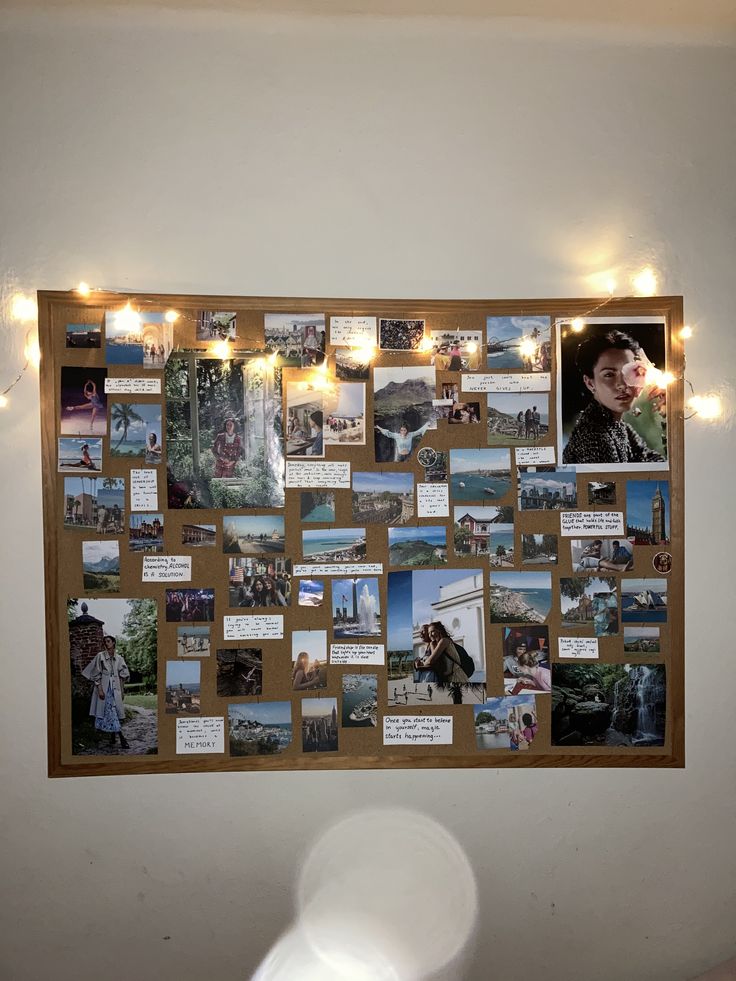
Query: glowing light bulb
[472, 347]
[707, 407]
[23, 308]
[686, 333]
[222, 350]
[577, 324]
[32, 352]
[645, 282]
[527, 348]
[426, 344]
[3, 401]
[171, 316]
[84, 289]
[611, 285]
[273, 357]
[128, 318]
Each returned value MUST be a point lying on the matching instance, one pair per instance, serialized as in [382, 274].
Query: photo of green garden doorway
[113, 651]
[223, 432]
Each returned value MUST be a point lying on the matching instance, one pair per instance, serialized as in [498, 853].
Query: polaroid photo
[344, 415]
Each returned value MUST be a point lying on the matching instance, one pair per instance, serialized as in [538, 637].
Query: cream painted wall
[156, 152]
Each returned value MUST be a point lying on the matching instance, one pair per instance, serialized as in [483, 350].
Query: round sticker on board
[427, 456]
[662, 563]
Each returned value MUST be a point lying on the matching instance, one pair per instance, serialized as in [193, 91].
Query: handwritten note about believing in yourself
[203, 735]
[340, 569]
[576, 523]
[257, 626]
[133, 386]
[533, 456]
[167, 568]
[317, 473]
[433, 500]
[582, 647]
[419, 730]
[144, 490]
[352, 331]
[522, 382]
[357, 654]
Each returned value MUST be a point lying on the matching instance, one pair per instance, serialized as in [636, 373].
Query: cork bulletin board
[297, 533]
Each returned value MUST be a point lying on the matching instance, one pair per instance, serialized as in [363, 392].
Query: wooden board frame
[57, 308]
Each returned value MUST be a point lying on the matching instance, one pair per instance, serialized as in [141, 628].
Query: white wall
[374, 158]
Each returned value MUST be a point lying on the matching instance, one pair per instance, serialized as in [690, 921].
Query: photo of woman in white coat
[108, 672]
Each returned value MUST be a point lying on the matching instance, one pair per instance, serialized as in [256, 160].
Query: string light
[222, 350]
[32, 351]
[23, 308]
[171, 316]
[611, 285]
[425, 344]
[686, 333]
[128, 318]
[3, 401]
[577, 324]
[84, 289]
[707, 407]
[527, 348]
[472, 347]
[645, 282]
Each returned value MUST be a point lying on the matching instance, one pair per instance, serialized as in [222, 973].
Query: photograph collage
[311, 536]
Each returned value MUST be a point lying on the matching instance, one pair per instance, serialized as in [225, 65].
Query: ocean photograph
[259, 729]
[520, 597]
[359, 701]
[644, 600]
[480, 475]
[334, 544]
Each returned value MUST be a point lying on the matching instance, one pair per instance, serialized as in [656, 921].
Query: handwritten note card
[522, 382]
[433, 500]
[203, 735]
[144, 490]
[167, 568]
[575, 524]
[258, 626]
[357, 654]
[582, 647]
[317, 473]
[417, 730]
[133, 386]
[534, 456]
[340, 569]
[352, 331]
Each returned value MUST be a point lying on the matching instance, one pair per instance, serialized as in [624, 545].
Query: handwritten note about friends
[340, 569]
[577, 523]
[257, 626]
[167, 568]
[578, 647]
[533, 456]
[433, 500]
[317, 473]
[143, 490]
[203, 735]
[417, 730]
[521, 382]
[133, 386]
[352, 331]
[357, 654]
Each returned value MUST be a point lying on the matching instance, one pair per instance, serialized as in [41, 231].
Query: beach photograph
[317, 506]
[518, 342]
[250, 534]
[590, 601]
[644, 600]
[146, 533]
[526, 664]
[479, 474]
[539, 549]
[309, 659]
[506, 723]
[319, 725]
[547, 490]
[311, 592]
[80, 453]
[520, 597]
[135, 430]
[484, 530]
[239, 671]
[517, 419]
[402, 410]
[334, 545]
[382, 498]
[101, 566]
[95, 502]
[183, 686]
[423, 545]
[359, 701]
[344, 421]
[642, 640]
[123, 337]
[83, 335]
[192, 641]
[609, 705]
[356, 607]
[259, 728]
[648, 512]
[83, 402]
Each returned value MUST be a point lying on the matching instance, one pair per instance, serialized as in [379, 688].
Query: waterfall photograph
[608, 704]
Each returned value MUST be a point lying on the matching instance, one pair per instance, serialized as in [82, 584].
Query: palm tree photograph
[131, 426]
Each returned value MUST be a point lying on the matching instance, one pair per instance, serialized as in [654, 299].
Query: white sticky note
[144, 490]
[576, 524]
[578, 647]
[255, 626]
[205, 734]
[133, 386]
[167, 568]
[534, 456]
[352, 331]
[317, 473]
[417, 730]
[433, 500]
[357, 654]
[312, 571]
[522, 382]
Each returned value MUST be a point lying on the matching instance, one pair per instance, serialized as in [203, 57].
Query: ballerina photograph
[83, 402]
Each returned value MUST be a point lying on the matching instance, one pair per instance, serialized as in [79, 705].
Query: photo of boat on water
[644, 600]
[480, 474]
[334, 545]
[259, 729]
[359, 701]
